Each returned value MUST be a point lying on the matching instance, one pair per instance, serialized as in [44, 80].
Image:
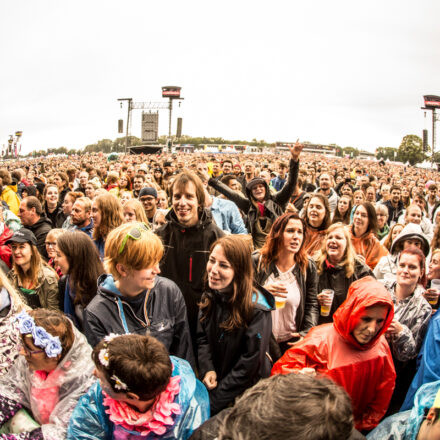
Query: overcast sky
[347, 72]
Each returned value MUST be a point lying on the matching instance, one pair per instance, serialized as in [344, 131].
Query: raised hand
[295, 150]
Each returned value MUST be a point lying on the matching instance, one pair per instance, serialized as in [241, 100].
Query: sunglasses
[134, 233]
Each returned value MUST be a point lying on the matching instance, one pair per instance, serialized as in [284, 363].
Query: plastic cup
[326, 307]
[435, 285]
[280, 302]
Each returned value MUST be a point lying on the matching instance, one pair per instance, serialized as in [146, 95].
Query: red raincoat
[5, 249]
[365, 371]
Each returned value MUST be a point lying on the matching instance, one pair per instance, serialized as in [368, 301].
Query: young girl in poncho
[142, 393]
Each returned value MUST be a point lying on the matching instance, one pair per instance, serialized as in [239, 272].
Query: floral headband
[43, 339]
[104, 358]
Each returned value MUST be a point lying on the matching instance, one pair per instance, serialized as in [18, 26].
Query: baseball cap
[23, 235]
[148, 191]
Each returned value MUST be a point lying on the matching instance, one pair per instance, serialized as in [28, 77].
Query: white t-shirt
[283, 320]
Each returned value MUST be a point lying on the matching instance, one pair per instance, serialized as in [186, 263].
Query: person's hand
[210, 380]
[295, 150]
[322, 298]
[395, 328]
[295, 335]
[308, 371]
[431, 295]
[291, 208]
[277, 288]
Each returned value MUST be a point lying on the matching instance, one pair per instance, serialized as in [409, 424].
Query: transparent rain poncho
[63, 386]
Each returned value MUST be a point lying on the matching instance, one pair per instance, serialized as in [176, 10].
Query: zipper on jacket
[190, 268]
[134, 314]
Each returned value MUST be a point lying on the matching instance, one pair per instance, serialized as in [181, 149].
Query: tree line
[410, 150]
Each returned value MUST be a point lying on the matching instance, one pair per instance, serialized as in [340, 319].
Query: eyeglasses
[28, 350]
[135, 233]
[50, 244]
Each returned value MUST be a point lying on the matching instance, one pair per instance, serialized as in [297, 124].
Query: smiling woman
[363, 234]
[338, 266]
[234, 325]
[132, 298]
[317, 221]
[411, 317]
[51, 374]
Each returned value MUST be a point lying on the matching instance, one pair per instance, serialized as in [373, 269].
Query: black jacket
[394, 213]
[274, 204]
[165, 309]
[307, 314]
[57, 217]
[40, 230]
[334, 277]
[186, 256]
[239, 357]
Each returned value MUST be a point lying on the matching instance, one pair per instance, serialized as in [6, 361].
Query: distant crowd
[226, 296]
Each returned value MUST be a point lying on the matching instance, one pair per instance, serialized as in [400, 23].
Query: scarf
[46, 397]
[153, 420]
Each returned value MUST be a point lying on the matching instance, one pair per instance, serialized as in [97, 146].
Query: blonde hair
[16, 298]
[55, 233]
[349, 258]
[435, 252]
[138, 209]
[136, 254]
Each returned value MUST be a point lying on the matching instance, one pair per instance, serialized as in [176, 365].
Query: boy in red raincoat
[352, 351]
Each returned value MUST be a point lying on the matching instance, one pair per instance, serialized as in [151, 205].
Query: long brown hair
[326, 221]
[79, 248]
[237, 250]
[272, 247]
[343, 218]
[111, 215]
[34, 269]
[435, 242]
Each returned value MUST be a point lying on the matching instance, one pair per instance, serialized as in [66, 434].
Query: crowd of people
[199, 296]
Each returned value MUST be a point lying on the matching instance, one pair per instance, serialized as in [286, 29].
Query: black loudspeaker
[179, 127]
[120, 126]
[425, 140]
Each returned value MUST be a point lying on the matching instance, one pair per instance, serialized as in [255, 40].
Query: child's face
[430, 428]
[106, 387]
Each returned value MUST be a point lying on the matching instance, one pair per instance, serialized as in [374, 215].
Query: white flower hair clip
[104, 357]
[119, 385]
[110, 337]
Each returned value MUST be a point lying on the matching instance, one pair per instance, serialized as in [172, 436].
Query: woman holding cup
[431, 295]
[411, 317]
[338, 266]
[283, 268]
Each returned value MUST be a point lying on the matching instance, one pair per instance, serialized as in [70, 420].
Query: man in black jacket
[32, 218]
[188, 237]
[394, 205]
[261, 207]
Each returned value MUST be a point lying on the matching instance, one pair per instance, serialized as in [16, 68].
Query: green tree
[411, 149]
[386, 153]
[351, 151]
